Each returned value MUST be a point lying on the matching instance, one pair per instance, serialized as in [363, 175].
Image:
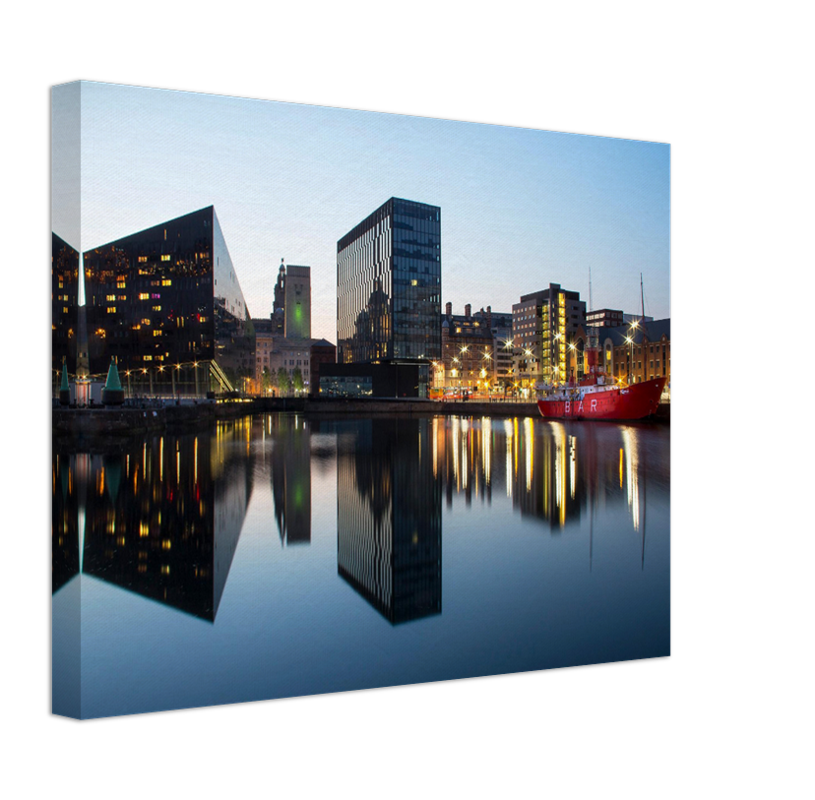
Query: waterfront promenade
[155, 416]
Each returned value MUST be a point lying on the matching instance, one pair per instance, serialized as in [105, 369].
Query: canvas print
[345, 400]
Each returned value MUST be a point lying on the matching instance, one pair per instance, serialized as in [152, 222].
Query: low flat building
[390, 379]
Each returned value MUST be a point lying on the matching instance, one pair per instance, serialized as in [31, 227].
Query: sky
[520, 208]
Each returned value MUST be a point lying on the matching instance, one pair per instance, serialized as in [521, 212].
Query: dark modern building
[389, 296]
[389, 285]
[322, 353]
[64, 304]
[166, 303]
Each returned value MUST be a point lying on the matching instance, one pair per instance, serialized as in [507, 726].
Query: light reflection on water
[308, 555]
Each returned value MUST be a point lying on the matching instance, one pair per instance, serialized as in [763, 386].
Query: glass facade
[166, 303]
[389, 285]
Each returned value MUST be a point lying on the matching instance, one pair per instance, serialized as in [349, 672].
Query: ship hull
[637, 401]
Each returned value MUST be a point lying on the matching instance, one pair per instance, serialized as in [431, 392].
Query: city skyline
[290, 180]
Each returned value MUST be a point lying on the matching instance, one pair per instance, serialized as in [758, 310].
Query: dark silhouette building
[64, 304]
[166, 303]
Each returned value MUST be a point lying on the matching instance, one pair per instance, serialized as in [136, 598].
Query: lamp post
[630, 339]
[572, 350]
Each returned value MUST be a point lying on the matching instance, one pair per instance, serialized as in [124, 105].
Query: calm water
[287, 555]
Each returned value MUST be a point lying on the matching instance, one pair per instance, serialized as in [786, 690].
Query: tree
[283, 381]
[297, 380]
[265, 381]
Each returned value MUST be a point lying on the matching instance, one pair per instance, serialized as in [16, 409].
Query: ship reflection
[160, 518]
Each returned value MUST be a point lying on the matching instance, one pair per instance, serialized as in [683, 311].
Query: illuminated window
[145, 321]
[111, 309]
[142, 259]
[165, 258]
[111, 298]
[167, 281]
[156, 308]
[144, 296]
[156, 333]
[148, 358]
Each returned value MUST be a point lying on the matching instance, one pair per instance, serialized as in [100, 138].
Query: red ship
[598, 396]
[594, 400]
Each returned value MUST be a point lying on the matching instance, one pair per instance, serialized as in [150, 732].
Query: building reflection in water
[389, 515]
[162, 517]
[159, 517]
[551, 471]
[64, 523]
[287, 451]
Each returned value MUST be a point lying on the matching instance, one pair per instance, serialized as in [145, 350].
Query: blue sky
[520, 208]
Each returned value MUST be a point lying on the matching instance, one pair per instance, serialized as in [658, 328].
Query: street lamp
[633, 327]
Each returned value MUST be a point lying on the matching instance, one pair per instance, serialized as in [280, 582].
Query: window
[165, 258]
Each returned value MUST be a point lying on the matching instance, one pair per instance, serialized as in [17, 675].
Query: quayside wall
[92, 422]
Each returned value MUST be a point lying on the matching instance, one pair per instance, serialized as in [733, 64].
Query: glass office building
[166, 303]
[389, 285]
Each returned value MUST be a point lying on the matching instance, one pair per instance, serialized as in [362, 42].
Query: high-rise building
[543, 327]
[166, 303]
[389, 285]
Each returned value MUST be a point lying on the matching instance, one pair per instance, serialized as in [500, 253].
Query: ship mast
[642, 299]
[591, 305]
